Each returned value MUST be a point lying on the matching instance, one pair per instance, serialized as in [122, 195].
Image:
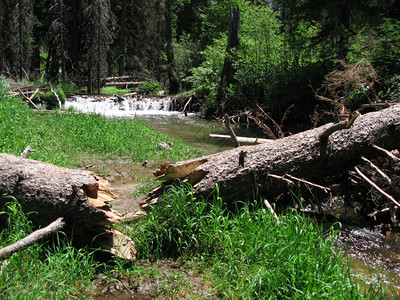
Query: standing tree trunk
[122, 38]
[228, 71]
[174, 83]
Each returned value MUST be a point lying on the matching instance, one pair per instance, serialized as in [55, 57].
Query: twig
[271, 209]
[387, 153]
[281, 178]
[265, 128]
[231, 132]
[376, 187]
[380, 172]
[325, 189]
[373, 214]
[29, 98]
[277, 127]
[26, 152]
[34, 237]
[187, 102]
[287, 111]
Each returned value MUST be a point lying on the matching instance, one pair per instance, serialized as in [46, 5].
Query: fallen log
[80, 197]
[241, 139]
[303, 155]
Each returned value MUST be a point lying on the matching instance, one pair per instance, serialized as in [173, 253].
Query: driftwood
[81, 198]
[302, 155]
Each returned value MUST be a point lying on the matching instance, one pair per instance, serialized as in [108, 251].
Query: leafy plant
[150, 87]
[51, 100]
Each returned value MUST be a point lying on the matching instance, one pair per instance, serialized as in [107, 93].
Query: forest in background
[284, 53]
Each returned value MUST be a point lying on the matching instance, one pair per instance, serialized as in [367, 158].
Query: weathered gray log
[80, 197]
[302, 155]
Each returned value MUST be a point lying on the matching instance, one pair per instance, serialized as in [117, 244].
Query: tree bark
[242, 171]
[174, 83]
[80, 197]
[228, 71]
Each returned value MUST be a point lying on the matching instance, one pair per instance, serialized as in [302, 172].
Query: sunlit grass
[71, 139]
[112, 90]
[248, 254]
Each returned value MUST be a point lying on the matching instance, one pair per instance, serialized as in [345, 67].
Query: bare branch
[26, 152]
[34, 237]
[281, 178]
[271, 209]
[29, 98]
[375, 167]
[387, 153]
[55, 94]
[230, 130]
[325, 189]
[376, 187]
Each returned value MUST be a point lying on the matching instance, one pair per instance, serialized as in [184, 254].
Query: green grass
[71, 139]
[54, 270]
[112, 90]
[248, 255]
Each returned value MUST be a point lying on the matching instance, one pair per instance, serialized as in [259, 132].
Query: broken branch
[387, 153]
[32, 238]
[376, 187]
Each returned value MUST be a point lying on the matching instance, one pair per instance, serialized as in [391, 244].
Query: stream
[371, 249]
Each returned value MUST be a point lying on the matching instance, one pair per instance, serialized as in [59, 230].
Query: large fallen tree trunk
[310, 155]
[81, 198]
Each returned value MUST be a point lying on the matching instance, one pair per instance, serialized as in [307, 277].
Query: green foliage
[386, 50]
[150, 87]
[260, 54]
[380, 45]
[390, 90]
[206, 77]
[56, 271]
[251, 256]
[51, 100]
[112, 90]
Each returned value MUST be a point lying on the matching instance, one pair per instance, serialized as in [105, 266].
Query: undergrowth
[249, 255]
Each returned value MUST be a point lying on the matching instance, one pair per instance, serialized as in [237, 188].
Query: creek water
[371, 249]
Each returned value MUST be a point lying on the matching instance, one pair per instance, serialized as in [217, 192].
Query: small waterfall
[120, 106]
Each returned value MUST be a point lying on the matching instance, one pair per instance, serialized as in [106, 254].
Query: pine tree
[97, 17]
[19, 43]
[57, 40]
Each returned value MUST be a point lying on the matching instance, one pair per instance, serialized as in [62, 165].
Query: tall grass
[250, 255]
[42, 271]
[68, 139]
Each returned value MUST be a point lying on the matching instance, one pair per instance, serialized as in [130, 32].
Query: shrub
[51, 100]
[150, 87]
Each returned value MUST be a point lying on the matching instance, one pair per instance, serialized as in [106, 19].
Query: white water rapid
[121, 107]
